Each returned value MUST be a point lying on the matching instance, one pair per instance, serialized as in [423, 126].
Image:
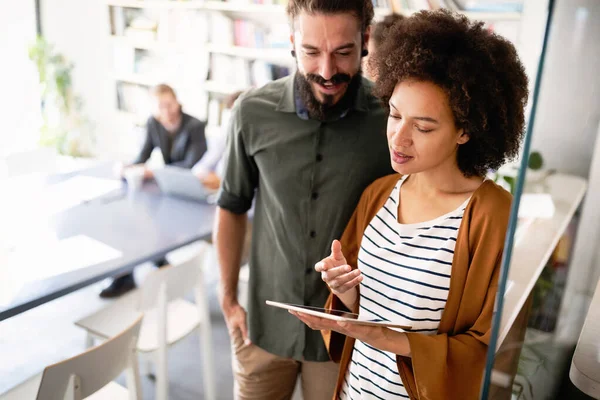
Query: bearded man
[303, 149]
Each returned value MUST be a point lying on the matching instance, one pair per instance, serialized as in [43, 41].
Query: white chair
[90, 375]
[168, 318]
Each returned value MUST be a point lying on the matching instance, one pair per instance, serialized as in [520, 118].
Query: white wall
[81, 31]
[567, 126]
[568, 110]
[19, 104]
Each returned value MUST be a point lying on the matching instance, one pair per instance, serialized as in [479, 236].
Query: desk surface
[142, 226]
[534, 249]
[585, 367]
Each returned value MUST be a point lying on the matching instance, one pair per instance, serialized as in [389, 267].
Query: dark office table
[143, 225]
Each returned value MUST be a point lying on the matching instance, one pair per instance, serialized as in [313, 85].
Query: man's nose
[328, 69]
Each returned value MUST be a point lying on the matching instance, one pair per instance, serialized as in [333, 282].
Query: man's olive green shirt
[305, 178]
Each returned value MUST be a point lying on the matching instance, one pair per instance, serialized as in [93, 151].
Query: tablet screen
[338, 313]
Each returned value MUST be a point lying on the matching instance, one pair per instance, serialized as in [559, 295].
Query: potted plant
[64, 126]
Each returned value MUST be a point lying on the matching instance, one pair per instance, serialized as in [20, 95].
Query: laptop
[180, 182]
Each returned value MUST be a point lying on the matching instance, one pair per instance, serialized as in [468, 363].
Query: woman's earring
[293, 53]
[364, 53]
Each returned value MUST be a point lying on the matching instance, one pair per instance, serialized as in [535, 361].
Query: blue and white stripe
[406, 277]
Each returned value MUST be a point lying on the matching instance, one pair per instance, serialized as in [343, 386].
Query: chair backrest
[82, 375]
[176, 281]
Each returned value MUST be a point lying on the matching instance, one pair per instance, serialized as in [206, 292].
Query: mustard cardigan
[448, 365]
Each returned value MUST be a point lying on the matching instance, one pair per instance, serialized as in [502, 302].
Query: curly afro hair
[479, 71]
[379, 29]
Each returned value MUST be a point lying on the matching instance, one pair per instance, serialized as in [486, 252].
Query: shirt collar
[291, 101]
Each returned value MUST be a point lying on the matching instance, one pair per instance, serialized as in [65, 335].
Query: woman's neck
[443, 181]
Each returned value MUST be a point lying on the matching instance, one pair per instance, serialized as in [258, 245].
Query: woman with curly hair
[423, 247]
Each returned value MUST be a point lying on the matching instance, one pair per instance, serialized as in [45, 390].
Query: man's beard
[326, 109]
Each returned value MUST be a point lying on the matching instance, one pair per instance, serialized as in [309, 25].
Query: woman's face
[421, 132]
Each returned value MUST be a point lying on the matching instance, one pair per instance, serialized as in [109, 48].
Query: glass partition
[543, 291]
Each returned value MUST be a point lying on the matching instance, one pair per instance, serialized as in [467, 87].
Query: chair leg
[162, 375]
[134, 385]
[146, 365]
[206, 347]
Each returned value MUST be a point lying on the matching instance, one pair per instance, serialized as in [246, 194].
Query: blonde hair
[161, 89]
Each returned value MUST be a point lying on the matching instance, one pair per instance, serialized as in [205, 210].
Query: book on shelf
[240, 73]
[133, 99]
[221, 30]
[188, 27]
[214, 112]
[381, 3]
[117, 21]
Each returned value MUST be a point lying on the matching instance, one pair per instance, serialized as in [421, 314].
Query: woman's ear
[463, 137]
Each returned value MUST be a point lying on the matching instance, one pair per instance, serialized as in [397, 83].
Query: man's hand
[235, 318]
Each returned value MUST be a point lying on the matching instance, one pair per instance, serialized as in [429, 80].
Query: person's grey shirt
[182, 148]
[307, 177]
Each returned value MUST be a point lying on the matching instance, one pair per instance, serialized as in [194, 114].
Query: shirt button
[319, 157]
[309, 270]
[315, 195]
[313, 234]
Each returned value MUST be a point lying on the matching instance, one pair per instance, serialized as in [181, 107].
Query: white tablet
[336, 315]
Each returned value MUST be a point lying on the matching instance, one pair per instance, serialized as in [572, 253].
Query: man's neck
[172, 126]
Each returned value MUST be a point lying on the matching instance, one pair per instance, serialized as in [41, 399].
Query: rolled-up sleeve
[240, 177]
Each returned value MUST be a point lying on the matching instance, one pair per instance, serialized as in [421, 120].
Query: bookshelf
[208, 49]
[204, 49]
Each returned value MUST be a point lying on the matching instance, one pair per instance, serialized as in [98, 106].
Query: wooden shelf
[193, 4]
[280, 9]
[138, 79]
[200, 5]
[244, 8]
[222, 88]
[531, 254]
[141, 44]
[276, 56]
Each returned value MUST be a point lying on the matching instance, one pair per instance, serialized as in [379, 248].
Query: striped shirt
[406, 278]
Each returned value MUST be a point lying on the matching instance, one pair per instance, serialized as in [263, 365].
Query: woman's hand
[364, 333]
[338, 275]
[377, 336]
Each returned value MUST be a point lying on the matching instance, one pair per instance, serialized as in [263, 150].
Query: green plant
[64, 126]
[536, 161]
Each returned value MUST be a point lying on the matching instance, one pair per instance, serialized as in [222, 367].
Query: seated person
[424, 245]
[210, 167]
[182, 142]
[179, 136]
[378, 32]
